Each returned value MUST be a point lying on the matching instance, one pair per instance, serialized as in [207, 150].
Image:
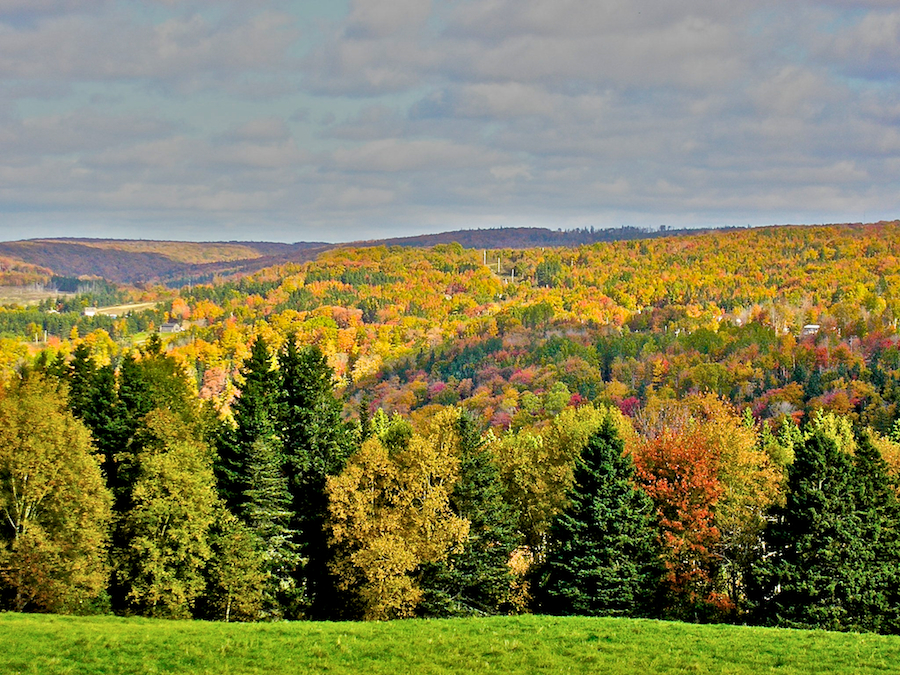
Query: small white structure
[170, 327]
[90, 311]
[809, 329]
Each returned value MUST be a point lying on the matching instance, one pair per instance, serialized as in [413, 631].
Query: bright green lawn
[526, 644]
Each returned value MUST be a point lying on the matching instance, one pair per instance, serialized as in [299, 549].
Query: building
[809, 329]
[170, 327]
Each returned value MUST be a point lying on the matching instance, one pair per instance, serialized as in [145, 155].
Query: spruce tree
[316, 444]
[256, 419]
[267, 504]
[477, 580]
[814, 571]
[603, 556]
[878, 605]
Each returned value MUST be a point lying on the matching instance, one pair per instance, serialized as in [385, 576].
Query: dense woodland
[635, 428]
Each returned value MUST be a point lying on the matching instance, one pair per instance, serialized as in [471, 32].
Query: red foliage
[679, 470]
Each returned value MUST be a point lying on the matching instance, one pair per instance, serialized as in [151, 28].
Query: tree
[55, 509]
[537, 468]
[93, 399]
[878, 606]
[603, 557]
[476, 580]
[163, 544]
[235, 575]
[148, 381]
[316, 443]
[680, 474]
[267, 515]
[817, 560]
[256, 418]
[389, 513]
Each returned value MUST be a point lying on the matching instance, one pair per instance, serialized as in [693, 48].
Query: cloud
[869, 48]
[118, 47]
[395, 155]
[413, 114]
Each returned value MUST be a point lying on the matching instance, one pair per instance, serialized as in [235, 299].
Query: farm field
[28, 295]
[48, 645]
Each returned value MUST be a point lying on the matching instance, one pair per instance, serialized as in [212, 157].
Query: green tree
[816, 558]
[150, 380]
[94, 400]
[256, 417]
[603, 557]
[55, 509]
[267, 514]
[234, 575]
[477, 579]
[316, 443]
[163, 544]
[878, 606]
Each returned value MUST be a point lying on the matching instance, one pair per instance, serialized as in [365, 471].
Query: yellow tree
[54, 506]
[389, 512]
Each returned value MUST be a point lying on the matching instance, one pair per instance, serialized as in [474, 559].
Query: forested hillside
[695, 427]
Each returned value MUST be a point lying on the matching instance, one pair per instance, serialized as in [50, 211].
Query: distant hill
[134, 261]
[172, 262]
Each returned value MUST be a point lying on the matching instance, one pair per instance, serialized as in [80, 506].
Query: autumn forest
[699, 426]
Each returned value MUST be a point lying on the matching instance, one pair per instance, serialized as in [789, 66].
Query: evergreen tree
[256, 418]
[316, 443]
[94, 400]
[814, 571]
[603, 557]
[267, 504]
[878, 606]
[478, 579]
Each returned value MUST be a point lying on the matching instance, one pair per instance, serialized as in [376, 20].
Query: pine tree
[256, 418]
[478, 579]
[316, 443]
[878, 605]
[814, 572]
[602, 556]
[267, 504]
[93, 399]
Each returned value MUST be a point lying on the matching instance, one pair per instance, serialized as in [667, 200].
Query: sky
[341, 120]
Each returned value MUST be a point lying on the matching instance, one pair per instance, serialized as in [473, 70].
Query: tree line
[121, 491]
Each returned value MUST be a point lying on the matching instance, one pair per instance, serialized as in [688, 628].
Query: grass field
[526, 644]
[27, 295]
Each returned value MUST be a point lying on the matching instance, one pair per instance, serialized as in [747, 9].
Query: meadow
[50, 645]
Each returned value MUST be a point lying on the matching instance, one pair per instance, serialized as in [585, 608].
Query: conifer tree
[256, 418]
[93, 399]
[267, 504]
[316, 444]
[478, 579]
[602, 556]
[816, 563]
[878, 605]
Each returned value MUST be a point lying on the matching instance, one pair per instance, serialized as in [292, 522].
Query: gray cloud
[411, 114]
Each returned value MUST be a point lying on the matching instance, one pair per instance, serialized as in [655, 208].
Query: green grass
[526, 644]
